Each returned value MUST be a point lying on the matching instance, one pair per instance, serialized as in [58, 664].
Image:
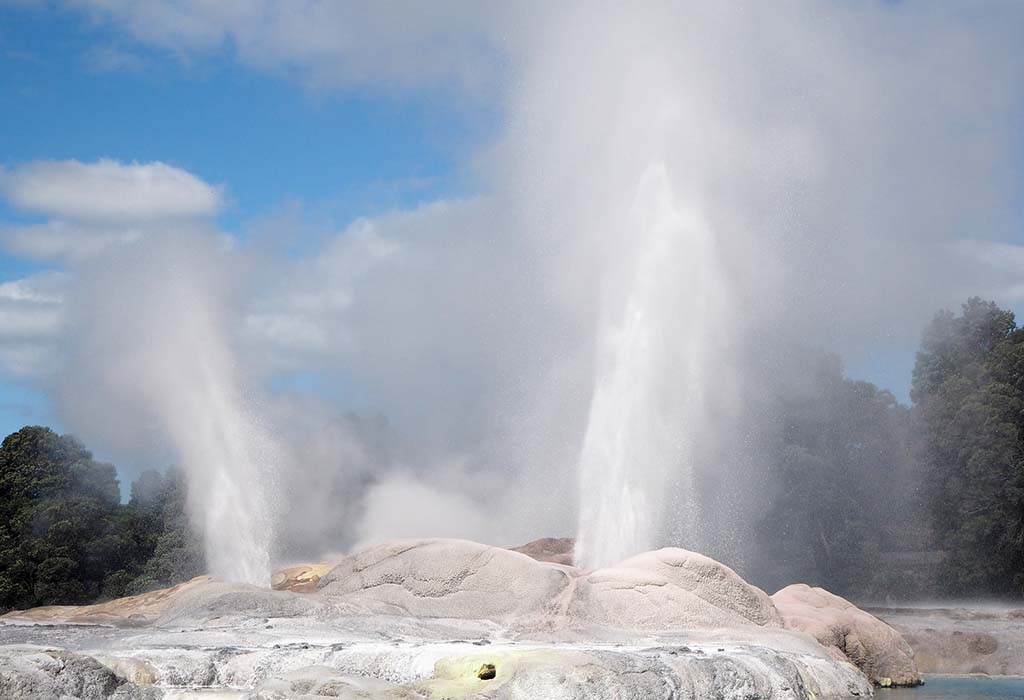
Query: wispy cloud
[331, 44]
[31, 321]
[108, 191]
[112, 59]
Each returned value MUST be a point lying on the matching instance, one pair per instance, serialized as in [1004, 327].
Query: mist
[677, 200]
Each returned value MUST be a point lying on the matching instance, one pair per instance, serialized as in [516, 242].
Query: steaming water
[650, 381]
[223, 448]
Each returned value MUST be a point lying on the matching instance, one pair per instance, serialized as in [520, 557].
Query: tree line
[877, 500]
[66, 537]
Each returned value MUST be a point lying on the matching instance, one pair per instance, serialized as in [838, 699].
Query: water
[939, 687]
[222, 445]
[663, 295]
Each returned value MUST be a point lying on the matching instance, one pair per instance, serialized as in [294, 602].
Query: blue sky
[267, 139]
[73, 88]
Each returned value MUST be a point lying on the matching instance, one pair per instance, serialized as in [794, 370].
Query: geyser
[665, 291]
[153, 337]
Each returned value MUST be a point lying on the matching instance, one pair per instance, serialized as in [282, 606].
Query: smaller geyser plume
[650, 376]
[153, 339]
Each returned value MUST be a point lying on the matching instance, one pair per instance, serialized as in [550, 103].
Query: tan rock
[303, 578]
[137, 671]
[849, 633]
[133, 611]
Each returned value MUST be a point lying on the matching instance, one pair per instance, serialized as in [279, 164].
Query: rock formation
[304, 578]
[671, 589]
[43, 674]
[850, 633]
[447, 579]
[131, 611]
[435, 619]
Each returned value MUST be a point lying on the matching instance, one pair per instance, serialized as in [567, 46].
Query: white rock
[671, 589]
[442, 578]
[418, 619]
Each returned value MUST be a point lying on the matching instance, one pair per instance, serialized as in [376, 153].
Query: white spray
[650, 375]
[154, 341]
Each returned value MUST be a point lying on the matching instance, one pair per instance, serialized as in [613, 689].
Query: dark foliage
[65, 537]
[969, 393]
[844, 484]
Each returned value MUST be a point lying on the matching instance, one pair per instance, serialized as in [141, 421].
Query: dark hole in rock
[487, 672]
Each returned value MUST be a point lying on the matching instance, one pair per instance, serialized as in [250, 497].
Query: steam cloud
[675, 187]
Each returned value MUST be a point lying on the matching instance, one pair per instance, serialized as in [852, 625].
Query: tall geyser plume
[651, 375]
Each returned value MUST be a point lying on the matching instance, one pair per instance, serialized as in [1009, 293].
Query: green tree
[171, 551]
[968, 389]
[65, 536]
[61, 529]
[841, 469]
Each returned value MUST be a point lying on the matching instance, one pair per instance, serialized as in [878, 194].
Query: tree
[968, 389]
[841, 470]
[65, 536]
[172, 550]
[60, 527]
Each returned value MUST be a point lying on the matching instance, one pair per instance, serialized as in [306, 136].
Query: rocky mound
[304, 578]
[436, 619]
[440, 578]
[850, 633]
[671, 589]
[136, 610]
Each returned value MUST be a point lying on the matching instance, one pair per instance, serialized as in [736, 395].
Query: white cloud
[996, 266]
[60, 240]
[31, 307]
[993, 253]
[288, 331]
[108, 192]
[39, 289]
[31, 320]
[21, 322]
[95, 206]
[27, 360]
[333, 43]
